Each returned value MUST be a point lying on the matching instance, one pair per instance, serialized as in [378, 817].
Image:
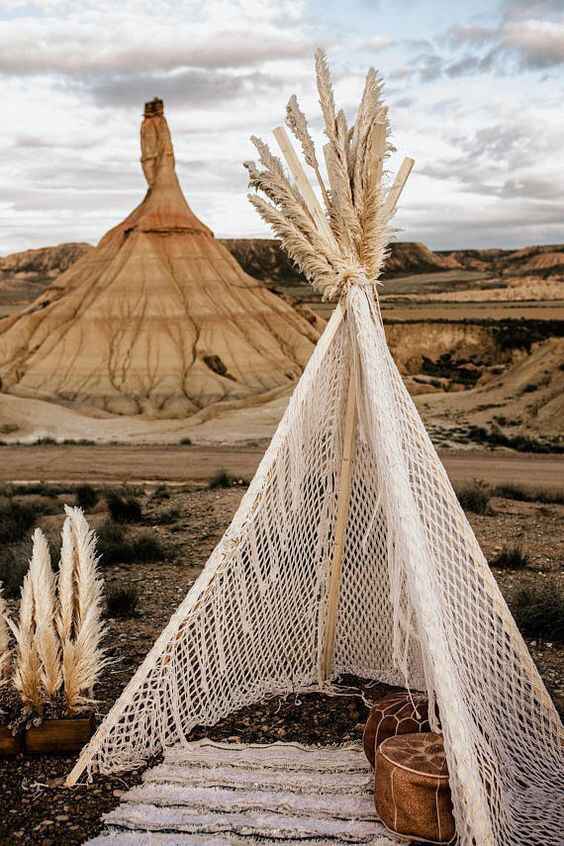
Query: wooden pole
[393, 196]
[343, 506]
[379, 140]
[303, 183]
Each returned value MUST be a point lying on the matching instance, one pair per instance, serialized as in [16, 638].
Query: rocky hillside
[26, 273]
[542, 261]
[46, 261]
[265, 259]
[23, 276]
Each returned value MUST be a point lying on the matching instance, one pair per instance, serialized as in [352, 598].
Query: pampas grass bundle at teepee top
[58, 655]
[356, 215]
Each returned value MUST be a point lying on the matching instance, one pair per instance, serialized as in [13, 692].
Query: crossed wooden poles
[326, 656]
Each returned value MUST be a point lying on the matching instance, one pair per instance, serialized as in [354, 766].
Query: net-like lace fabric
[418, 604]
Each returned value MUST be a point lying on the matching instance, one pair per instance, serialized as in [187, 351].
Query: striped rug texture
[221, 794]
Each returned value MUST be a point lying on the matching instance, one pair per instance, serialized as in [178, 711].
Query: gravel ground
[37, 809]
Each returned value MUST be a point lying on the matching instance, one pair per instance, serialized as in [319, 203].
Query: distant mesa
[158, 319]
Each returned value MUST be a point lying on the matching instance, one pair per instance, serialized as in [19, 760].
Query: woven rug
[220, 794]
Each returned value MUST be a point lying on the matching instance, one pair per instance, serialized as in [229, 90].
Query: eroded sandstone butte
[158, 319]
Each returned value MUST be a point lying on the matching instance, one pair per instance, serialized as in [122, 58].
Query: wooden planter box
[62, 736]
[9, 745]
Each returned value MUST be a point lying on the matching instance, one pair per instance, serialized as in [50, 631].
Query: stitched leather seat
[411, 790]
[396, 713]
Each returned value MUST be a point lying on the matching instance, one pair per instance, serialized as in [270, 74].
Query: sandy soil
[123, 464]
[472, 311]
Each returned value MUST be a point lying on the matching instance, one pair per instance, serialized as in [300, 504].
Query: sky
[475, 90]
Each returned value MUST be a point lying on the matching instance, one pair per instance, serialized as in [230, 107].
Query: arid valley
[478, 338]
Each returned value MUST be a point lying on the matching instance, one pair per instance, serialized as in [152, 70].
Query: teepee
[349, 552]
[159, 319]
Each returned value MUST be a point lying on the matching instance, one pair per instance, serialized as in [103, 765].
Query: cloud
[49, 142]
[463, 67]
[535, 44]
[508, 142]
[76, 53]
[531, 8]
[532, 187]
[455, 224]
[501, 161]
[404, 102]
[471, 34]
[190, 87]
[529, 34]
[429, 66]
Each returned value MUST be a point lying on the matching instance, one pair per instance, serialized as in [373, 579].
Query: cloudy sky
[475, 87]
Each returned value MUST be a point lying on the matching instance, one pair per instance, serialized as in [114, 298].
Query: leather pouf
[396, 713]
[411, 790]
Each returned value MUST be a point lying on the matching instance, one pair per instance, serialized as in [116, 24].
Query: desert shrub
[16, 520]
[147, 547]
[115, 546]
[86, 497]
[8, 428]
[539, 611]
[14, 562]
[548, 497]
[474, 497]
[33, 489]
[37, 489]
[124, 509]
[519, 334]
[166, 517]
[122, 602]
[512, 491]
[110, 540]
[521, 443]
[77, 442]
[40, 504]
[511, 558]
[185, 442]
[161, 492]
[221, 479]
[521, 493]
[530, 388]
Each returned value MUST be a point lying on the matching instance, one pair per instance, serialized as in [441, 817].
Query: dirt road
[120, 464]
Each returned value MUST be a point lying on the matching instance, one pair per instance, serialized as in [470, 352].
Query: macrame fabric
[418, 604]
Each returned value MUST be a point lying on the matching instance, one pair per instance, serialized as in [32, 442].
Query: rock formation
[158, 319]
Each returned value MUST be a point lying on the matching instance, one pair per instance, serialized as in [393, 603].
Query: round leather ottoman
[411, 789]
[394, 714]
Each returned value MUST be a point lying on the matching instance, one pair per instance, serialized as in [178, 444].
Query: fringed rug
[221, 794]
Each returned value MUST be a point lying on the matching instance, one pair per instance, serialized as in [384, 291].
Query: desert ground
[123, 464]
[185, 522]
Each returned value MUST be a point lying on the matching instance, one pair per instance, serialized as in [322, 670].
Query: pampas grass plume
[27, 670]
[355, 204]
[83, 656]
[4, 640]
[66, 585]
[45, 612]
